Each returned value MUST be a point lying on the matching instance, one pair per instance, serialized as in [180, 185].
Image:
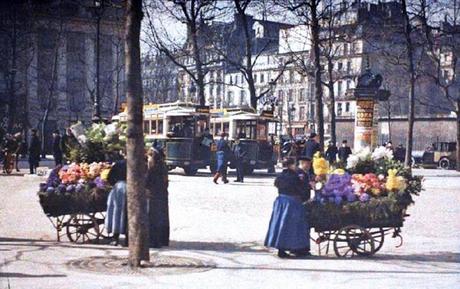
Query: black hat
[287, 162]
[313, 135]
[304, 158]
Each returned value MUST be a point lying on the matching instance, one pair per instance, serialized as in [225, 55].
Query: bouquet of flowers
[374, 185]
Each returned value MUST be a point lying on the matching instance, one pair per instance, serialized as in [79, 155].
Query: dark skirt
[288, 229]
[159, 222]
[221, 162]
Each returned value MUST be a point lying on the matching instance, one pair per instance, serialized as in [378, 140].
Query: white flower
[82, 139]
[352, 161]
[382, 153]
[363, 154]
[110, 129]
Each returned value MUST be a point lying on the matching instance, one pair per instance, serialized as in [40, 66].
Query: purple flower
[79, 188]
[50, 190]
[364, 197]
[337, 185]
[61, 188]
[351, 198]
[338, 200]
[53, 179]
[70, 189]
[100, 184]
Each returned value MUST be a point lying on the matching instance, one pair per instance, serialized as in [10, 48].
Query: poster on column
[364, 122]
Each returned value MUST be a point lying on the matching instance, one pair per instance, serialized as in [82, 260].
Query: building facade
[50, 48]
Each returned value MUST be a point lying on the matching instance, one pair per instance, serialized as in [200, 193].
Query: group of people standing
[157, 204]
[17, 145]
[223, 155]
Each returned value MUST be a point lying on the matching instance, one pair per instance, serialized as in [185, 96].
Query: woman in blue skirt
[288, 225]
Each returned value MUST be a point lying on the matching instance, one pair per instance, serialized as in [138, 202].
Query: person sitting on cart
[306, 177]
[288, 225]
[116, 219]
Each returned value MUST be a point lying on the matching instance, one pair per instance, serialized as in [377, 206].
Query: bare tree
[192, 55]
[310, 14]
[443, 49]
[137, 210]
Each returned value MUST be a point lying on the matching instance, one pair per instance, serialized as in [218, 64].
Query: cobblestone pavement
[217, 235]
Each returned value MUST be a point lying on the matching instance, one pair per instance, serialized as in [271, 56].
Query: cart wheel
[100, 220]
[352, 240]
[341, 247]
[82, 228]
[360, 240]
[378, 234]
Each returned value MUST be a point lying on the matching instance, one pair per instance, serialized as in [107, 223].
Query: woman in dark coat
[288, 225]
[157, 192]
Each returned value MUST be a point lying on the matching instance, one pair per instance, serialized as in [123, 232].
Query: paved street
[221, 229]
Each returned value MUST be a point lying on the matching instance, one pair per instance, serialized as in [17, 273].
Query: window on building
[290, 95]
[349, 67]
[302, 94]
[345, 48]
[262, 78]
[348, 84]
[339, 108]
[242, 97]
[302, 113]
[255, 78]
[339, 88]
[339, 66]
[347, 107]
[291, 76]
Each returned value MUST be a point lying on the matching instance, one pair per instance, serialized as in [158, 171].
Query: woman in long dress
[116, 218]
[288, 225]
[157, 192]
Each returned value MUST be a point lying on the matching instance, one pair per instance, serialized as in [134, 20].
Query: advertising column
[364, 124]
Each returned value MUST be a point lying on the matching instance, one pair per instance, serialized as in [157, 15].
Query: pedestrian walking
[222, 155]
[57, 148]
[158, 201]
[344, 152]
[311, 146]
[116, 219]
[34, 151]
[331, 153]
[239, 153]
[288, 226]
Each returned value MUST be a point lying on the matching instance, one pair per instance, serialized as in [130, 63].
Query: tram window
[146, 126]
[201, 124]
[246, 129]
[153, 127]
[226, 127]
[160, 126]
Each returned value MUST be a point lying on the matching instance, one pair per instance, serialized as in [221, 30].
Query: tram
[179, 130]
[256, 132]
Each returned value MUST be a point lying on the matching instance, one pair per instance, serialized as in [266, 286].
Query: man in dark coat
[400, 153]
[239, 153]
[344, 151]
[311, 146]
[34, 152]
[57, 148]
[331, 153]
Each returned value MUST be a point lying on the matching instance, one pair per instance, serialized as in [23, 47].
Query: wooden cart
[350, 235]
[82, 221]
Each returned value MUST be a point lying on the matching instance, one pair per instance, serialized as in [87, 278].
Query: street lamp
[98, 11]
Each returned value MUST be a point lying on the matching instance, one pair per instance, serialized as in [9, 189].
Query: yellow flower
[395, 183]
[105, 174]
[320, 165]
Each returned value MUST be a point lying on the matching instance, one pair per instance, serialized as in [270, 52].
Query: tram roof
[239, 115]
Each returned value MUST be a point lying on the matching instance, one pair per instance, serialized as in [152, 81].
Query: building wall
[426, 131]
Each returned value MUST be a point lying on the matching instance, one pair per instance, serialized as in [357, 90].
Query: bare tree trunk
[137, 201]
[331, 106]
[315, 27]
[410, 58]
[198, 65]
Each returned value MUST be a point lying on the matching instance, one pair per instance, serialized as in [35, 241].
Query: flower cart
[355, 208]
[74, 198]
